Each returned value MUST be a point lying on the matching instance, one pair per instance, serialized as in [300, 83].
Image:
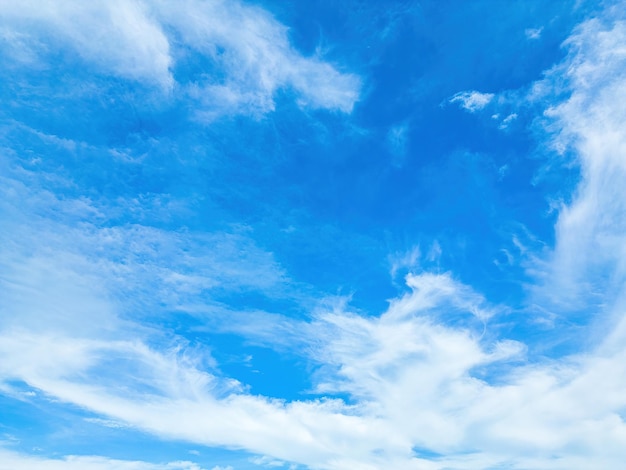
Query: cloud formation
[472, 101]
[430, 382]
[14, 461]
[588, 258]
[244, 55]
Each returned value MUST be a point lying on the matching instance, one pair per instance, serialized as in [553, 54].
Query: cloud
[426, 374]
[118, 36]
[246, 53]
[257, 58]
[472, 101]
[507, 120]
[57, 248]
[372, 359]
[406, 260]
[397, 142]
[432, 381]
[78, 338]
[15, 461]
[415, 382]
[587, 265]
[533, 33]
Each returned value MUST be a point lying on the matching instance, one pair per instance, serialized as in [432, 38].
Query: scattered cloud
[247, 53]
[368, 358]
[406, 260]
[266, 461]
[257, 58]
[507, 120]
[15, 461]
[431, 381]
[397, 142]
[472, 101]
[533, 33]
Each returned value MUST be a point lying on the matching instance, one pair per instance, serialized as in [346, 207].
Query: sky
[357, 235]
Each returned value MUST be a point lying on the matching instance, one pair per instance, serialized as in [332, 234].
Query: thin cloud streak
[15, 461]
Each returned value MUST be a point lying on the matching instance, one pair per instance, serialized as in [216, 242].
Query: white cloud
[248, 53]
[376, 361]
[55, 249]
[507, 120]
[257, 58]
[406, 260]
[431, 372]
[588, 259]
[472, 101]
[118, 36]
[267, 461]
[15, 461]
[413, 381]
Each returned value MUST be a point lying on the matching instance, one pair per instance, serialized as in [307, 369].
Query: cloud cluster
[244, 54]
[429, 383]
[384, 363]
[420, 388]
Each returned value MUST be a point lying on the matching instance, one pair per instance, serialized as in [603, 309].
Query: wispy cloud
[253, 50]
[119, 37]
[406, 260]
[406, 359]
[371, 356]
[587, 265]
[432, 381]
[15, 461]
[246, 53]
[533, 33]
[397, 142]
[472, 101]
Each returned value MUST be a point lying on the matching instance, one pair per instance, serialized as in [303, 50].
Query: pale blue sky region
[312, 235]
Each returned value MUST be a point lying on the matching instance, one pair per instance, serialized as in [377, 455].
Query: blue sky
[312, 235]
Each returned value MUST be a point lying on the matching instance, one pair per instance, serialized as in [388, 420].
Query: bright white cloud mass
[249, 235]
